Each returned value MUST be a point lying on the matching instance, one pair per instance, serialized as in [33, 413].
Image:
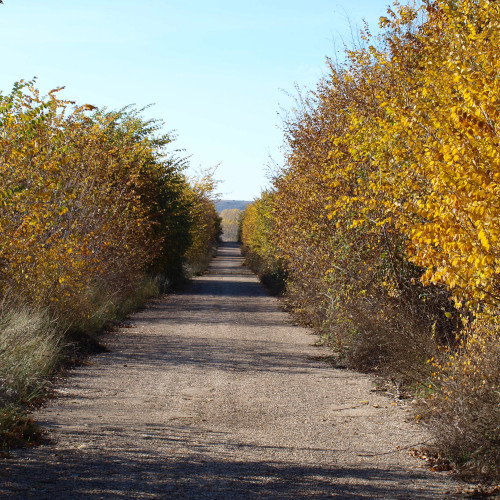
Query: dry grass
[108, 306]
[33, 346]
[30, 349]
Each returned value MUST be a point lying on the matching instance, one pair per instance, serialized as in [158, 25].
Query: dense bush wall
[386, 215]
[96, 214]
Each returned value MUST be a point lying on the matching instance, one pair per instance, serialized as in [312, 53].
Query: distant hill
[229, 204]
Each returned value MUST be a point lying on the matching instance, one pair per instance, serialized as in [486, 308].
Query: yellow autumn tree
[386, 213]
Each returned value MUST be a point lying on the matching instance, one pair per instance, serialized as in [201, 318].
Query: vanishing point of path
[213, 393]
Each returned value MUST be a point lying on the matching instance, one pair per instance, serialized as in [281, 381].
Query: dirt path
[213, 393]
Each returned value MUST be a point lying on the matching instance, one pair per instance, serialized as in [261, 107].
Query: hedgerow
[96, 214]
[386, 215]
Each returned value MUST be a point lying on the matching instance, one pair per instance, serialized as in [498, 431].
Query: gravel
[214, 393]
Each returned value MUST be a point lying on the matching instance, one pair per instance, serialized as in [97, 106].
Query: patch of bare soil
[213, 393]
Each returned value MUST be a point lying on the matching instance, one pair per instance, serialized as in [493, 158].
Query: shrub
[385, 215]
[464, 410]
[96, 215]
[205, 222]
[256, 230]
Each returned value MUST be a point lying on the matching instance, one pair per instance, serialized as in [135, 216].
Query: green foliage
[96, 215]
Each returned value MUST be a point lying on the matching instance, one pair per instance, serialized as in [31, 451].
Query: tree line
[96, 214]
[384, 223]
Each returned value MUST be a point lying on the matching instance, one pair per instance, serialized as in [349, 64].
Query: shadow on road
[139, 473]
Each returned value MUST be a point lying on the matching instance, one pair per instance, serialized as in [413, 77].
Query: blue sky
[217, 71]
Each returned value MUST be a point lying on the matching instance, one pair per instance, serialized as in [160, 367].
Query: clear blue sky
[216, 70]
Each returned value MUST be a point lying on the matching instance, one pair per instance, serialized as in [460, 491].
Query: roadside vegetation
[385, 220]
[96, 216]
[230, 223]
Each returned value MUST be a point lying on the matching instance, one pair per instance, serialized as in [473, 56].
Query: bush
[256, 232]
[464, 410]
[96, 216]
[205, 222]
[385, 215]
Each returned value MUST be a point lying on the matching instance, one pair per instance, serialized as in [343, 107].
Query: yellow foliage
[89, 202]
[387, 210]
[205, 222]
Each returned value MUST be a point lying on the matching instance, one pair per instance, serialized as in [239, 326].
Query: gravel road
[214, 393]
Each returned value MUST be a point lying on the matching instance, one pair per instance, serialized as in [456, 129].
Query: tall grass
[30, 349]
[33, 346]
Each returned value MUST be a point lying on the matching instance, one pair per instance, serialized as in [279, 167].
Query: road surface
[214, 393]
